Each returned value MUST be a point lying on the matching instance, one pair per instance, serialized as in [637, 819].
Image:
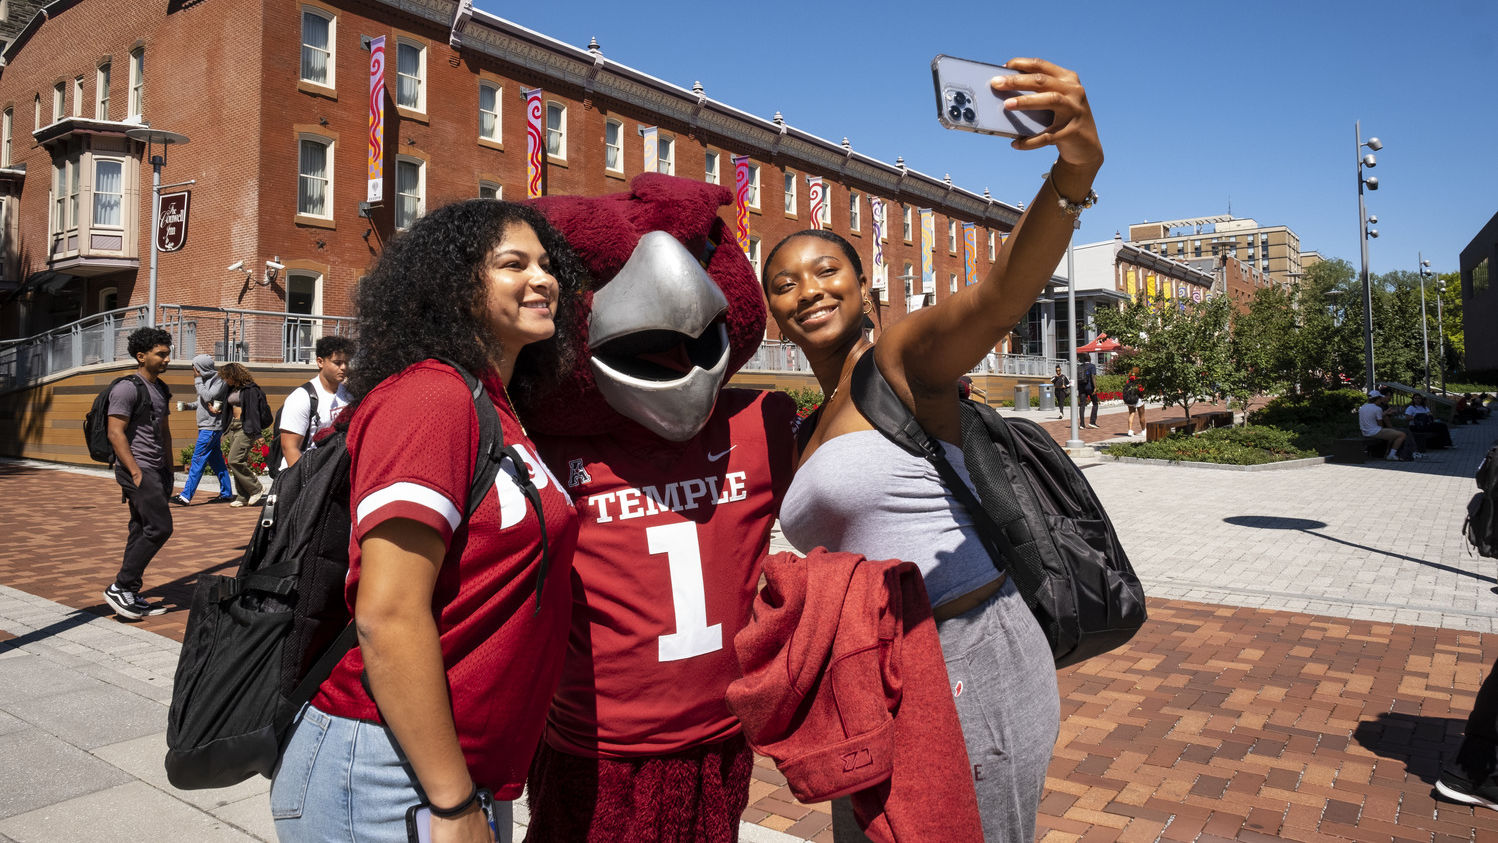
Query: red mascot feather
[677, 481]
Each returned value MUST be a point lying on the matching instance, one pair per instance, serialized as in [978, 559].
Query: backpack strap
[311, 413]
[876, 401]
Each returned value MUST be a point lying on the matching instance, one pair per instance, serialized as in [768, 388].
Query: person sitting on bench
[1424, 425]
[1374, 426]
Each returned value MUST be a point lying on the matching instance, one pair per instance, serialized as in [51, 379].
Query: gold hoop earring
[868, 305]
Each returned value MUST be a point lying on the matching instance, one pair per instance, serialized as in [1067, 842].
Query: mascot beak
[659, 344]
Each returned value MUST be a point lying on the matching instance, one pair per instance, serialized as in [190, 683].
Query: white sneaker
[255, 498]
[236, 502]
[1131, 433]
[1391, 457]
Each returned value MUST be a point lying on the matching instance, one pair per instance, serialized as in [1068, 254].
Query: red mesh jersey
[412, 446]
[668, 563]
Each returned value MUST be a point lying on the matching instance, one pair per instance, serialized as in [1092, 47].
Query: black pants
[1082, 399]
[150, 522]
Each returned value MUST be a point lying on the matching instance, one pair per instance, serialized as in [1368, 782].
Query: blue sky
[1198, 105]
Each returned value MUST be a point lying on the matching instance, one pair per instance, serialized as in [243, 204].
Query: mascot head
[674, 308]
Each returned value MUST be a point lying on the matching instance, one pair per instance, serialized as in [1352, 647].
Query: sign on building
[171, 223]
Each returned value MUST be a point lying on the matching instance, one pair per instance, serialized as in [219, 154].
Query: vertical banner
[1133, 284]
[741, 200]
[928, 239]
[651, 134]
[376, 190]
[817, 196]
[876, 217]
[970, 251]
[535, 140]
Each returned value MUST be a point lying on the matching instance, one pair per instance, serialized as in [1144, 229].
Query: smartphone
[965, 101]
[419, 819]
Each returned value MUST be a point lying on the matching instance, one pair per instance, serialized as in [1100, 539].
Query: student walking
[208, 452]
[1061, 388]
[246, 413]
[1087, 391]
[312, 407]
[142, 444]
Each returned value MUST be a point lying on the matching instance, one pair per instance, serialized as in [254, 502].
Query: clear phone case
[964, 100]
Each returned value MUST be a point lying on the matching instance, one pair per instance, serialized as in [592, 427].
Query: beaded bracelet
[1068, 207]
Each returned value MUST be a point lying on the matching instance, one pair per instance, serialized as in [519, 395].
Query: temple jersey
[667, 565]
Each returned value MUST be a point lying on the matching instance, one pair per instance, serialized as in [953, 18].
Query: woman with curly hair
[245, 415]
[459, 653]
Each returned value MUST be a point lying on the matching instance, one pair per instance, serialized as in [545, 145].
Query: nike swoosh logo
[720, 455]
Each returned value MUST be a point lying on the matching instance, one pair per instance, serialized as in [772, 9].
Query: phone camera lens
[954, 113]
[959, 98]
[969, 115]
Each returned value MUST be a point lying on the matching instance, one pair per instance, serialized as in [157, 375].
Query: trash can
[1022, 396]
[1047, 397]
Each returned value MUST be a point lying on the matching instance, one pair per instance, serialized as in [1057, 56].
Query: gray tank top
[860, 493]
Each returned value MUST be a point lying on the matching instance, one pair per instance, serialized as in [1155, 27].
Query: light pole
[151, 138]
[1440, 335]
[1424, 323]
[1071, 327]
[1364, 233]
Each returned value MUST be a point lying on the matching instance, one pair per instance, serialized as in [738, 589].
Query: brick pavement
[1217, 722]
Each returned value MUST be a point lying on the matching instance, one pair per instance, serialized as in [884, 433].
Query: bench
[1215, 418]
[1156, 430]
[1357, 449]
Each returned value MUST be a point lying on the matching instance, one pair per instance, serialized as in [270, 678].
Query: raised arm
[924, 353]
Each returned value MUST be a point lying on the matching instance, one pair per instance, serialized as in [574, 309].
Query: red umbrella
[1102, 343]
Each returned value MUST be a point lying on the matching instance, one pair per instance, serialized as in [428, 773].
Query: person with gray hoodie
[208, 452]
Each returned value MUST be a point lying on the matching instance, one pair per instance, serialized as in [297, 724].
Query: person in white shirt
[1372, 423]
[300, 421]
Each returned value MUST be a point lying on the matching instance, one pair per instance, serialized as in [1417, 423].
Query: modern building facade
[1480, 300]
[278, 160]
[1273, 249]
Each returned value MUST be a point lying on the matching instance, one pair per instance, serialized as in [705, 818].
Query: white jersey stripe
[410, 493]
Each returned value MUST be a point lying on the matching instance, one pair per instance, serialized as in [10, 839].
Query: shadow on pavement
[1309, 527]
[1420, 742]
[76, 618]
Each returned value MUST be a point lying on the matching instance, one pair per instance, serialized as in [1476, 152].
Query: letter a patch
[577, 474]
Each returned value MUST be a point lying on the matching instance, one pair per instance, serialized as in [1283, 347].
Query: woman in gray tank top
[1001, 669]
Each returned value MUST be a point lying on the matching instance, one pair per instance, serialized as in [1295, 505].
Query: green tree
[1329, 340]
[1451, 322]
[1182, 349]
[1262, 346]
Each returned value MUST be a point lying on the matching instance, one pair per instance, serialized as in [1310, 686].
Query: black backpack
[259, 644]
[273, 452]
[1481, 525]
[1038, 518]
[96, 421]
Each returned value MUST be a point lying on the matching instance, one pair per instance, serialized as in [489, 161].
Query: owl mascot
[677, 481]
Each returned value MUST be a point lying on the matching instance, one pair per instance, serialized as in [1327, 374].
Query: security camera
[1374, 144]
[276, 266]
[235, 266]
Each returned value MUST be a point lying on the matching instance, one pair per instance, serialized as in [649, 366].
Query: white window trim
[421, 75]
[752, 200]
[669, 158]
[618, 148]
[713, 175]
[499, 189]
[94, 190]
[332, 20]
[992, 254]
[327, 144]
[907, 226]
[952, 237]
[421, 185]
[77, 96]
[826, 216]
[105, 293]
[59, 101]
[317, 285]
[790, 192]
[952, 282]
[136, 106]
[561, 153]
[855, 212]
[754, 253]
[7, 132]
[102, 78]
[499, 125]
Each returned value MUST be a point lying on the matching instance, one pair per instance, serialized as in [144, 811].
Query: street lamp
[1075, 442]
[153, 138]
[1440, 334]
[1364, 233]
[1424, 323]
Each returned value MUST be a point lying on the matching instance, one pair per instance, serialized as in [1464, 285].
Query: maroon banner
[171, 221]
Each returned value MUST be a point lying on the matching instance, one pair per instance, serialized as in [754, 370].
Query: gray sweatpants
[1004, 684]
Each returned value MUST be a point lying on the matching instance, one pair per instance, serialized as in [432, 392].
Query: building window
[993, 253]
[751, 198]
[36, 112]
[108, 191]
[137, 83]
[489, 112]
[556, 130]
[78, 97]
[665, 155]
[491, 190]
[109, 299]
[101, 92]
[59, 97]
[952, 236]
[790, 193]
[314, 178]
[952, 282]
[824, 214]
[855, 216]
[905, 278]
[317, 47]
[410, 73]
[710, 168]
[410, 191]
[905, 226]
[754, 255]
[7, 128]
[65, 184]
[613, 146]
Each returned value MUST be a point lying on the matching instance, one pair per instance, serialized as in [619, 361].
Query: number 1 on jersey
[693, 637]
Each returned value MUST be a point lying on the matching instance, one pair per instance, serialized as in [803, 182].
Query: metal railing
[245, 336]
[771, 356]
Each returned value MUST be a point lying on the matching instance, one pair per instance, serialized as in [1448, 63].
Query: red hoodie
[845, 688]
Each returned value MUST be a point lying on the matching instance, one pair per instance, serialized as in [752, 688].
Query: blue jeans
[343, 779]
[207, 452]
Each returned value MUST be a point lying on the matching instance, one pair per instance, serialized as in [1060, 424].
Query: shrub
[1250, 445]
[806, 398]
[1110, 383]
[1309, 410]
[258, 452]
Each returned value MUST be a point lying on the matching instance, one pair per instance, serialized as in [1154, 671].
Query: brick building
[1271, 249]
[1114, 272]
[274, 99]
